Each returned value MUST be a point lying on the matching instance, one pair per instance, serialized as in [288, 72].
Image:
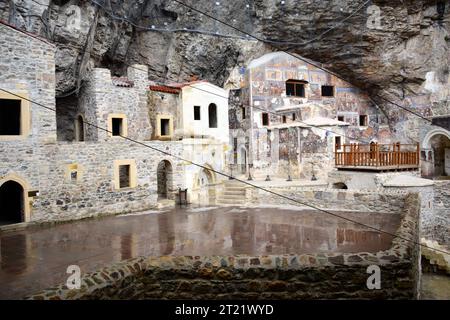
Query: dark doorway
[165, 127]
[11, 203]
[265, 119]
[164, 179]
[9, 117]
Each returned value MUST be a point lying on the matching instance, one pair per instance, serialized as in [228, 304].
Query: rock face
[394, 49]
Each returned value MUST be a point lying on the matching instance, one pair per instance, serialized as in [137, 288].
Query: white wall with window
[205, 111]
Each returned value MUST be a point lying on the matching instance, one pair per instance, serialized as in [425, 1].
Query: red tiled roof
[166, 89]
[122, 82]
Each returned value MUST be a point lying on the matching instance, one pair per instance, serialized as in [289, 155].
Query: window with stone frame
[124, 176]
[117, 126]
[10, 117]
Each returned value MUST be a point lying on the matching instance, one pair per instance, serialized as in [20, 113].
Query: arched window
[212, 115]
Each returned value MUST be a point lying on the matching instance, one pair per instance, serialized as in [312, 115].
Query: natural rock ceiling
[392, 60]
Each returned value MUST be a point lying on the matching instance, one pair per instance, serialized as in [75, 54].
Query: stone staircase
[439, 259]
[233, 194]
[165, 204]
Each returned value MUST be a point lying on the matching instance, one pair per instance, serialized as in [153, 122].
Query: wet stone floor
[35, 259]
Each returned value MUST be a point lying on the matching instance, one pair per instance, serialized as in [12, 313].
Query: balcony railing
[377, 156]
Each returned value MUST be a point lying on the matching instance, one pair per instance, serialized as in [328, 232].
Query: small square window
[327, 91]
[165, 127]
[265, 119]
[117, 126]
[10, 115]
[340, 118]
[197, 113]
[363, 120]
[124, 176]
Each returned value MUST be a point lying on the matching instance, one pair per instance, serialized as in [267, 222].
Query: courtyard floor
[36, 259]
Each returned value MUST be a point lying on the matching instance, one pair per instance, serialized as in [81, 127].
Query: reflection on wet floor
[33, 260]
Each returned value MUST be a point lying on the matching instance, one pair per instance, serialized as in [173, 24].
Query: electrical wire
[237, 179]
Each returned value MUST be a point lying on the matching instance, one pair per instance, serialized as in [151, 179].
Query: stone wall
[329, 199]
[27, 68]
[439, 228]
[307, 276]
[94, 192]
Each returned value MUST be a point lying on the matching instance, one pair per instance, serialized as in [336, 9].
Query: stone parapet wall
[306, 276]
[330, 199]
[439, 229]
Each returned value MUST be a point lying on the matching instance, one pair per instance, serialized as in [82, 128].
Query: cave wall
[392, 49]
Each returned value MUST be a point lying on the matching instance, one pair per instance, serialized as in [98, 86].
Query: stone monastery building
[127, 144]
[79, 160]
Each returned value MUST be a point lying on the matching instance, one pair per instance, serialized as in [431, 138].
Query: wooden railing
[377, 155]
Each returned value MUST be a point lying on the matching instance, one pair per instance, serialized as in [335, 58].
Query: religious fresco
[274, 75]
[315, 92]
[319, 77]
[268, 91]
[288, 145]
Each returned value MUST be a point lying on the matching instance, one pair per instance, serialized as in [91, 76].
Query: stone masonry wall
[93, 192]
[27, 67]
[307, 276]
[330, 199]
[440, 230]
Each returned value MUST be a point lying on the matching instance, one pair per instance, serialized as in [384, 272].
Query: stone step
[229, 202]
[234, 192]
[232, 197]
[437, 258]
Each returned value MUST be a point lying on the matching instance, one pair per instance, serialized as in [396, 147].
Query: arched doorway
[79, 128]
[164, 180]
[436, 154]
[12, 203]
[207, 191]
